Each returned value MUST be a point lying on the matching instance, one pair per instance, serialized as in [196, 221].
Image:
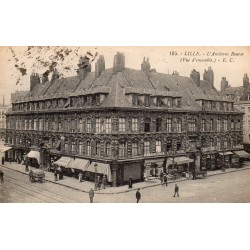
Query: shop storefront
[6, 152]
[78, 166]
[241, 156]
[179, 164]
[63, 163]
[224, 159]
[153, 168]
[98, 169]
[209, 161]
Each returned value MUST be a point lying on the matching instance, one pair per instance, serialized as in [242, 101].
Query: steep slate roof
[118, 86]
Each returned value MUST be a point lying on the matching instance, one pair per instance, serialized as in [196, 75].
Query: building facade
[136, 122]
[3, 110]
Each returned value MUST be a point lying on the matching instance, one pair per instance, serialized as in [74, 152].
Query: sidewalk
[85, 186]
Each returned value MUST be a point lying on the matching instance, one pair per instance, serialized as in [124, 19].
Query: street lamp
[95, 165]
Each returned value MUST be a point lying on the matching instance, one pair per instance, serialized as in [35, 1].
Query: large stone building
[124, 122]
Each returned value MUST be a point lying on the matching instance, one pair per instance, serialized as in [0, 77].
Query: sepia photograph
[154, 124]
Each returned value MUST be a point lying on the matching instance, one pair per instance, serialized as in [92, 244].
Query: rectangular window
[98, 149]
[88, 125]
[80, 148]
[108, 149]
[232, 124]
[192, 125]
[80, 125]
[158, 148]
[158, 124]
[66, 146]
[169, 125]
[147, 122]
[73, 147]
[218, 144]
[134, 125]
[179, 125]
[211, 121]
[203, 125]
[97, 125]
[225, 125]
[121, 124]
[211, 142]
[108, 125]
[122, 147]
[88, 151]
[135, 149]
[218, 125]
[59, 126]
[146, 148]
[54, 125]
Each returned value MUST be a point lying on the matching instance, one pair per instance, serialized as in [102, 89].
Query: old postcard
[124, 124]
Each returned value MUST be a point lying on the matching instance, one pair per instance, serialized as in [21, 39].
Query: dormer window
[147, 100]
[134, 99]
[158, 101]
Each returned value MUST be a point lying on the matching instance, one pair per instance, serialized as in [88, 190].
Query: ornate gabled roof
[118, 85]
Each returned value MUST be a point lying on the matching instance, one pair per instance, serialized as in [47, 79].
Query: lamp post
[95, 175]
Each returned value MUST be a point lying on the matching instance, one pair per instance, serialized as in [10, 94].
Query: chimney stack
[84, 67]
[209, 75]
[195, 76]
[119, 62]
[145, 66]
[245, 81]
[34, 80]
[224, 84]
[99, 66]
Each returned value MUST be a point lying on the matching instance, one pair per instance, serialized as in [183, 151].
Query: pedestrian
[98, 181]
[26, 167]
[80, 177]
[194, 175]
[2, 160]
[91, 195]
[161, 177]
[130, 182]
[138, 195]
[104, 181]
[31, 175]
[10, 160]
[165, 181]
[176, 190]
[1, 175]
[55, 175]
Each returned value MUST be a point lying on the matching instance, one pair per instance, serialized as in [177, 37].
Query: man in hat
[2, 160]
[91, 195]
[138, 195]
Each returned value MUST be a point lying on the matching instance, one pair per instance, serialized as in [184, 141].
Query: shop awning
[81, 164]
[63, 161]
[34, 154]
[101, 168]
[242, 154]
[179, 160]
[226, 153]
[4, 148]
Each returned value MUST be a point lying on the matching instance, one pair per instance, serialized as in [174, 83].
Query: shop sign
[154, 161]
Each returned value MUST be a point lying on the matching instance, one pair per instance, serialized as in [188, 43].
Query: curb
[133, 189]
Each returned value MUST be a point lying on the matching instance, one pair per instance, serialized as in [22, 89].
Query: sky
[17, 63]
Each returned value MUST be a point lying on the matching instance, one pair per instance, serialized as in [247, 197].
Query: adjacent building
[124, 122]
[3, 110]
